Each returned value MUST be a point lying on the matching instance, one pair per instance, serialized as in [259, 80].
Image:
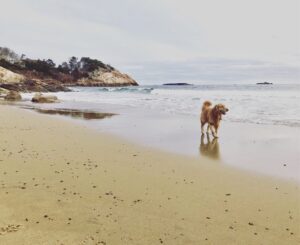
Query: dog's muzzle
[224, 111]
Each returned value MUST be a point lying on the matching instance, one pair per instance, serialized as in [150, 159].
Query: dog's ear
[215, 110]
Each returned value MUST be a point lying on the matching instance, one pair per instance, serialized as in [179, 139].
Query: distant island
[176, 84]
[19, 73]
[264, 83]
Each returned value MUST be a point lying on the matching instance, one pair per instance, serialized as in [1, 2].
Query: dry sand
[62, 183]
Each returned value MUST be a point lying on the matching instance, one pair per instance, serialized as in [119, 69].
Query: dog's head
[221, 109]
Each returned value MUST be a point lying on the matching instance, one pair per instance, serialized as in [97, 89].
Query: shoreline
[264, 149]
[253, 148]
[63, 183]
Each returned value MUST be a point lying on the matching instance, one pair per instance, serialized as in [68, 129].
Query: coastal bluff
[103, 78]
[21, 74]
[7, 76]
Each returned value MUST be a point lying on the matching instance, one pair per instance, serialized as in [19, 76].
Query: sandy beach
[105, 111]
[63, 183]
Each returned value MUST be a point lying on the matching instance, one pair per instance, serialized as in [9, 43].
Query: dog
[212, 116]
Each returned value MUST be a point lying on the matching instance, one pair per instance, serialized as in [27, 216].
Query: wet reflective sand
[80, 114]
[209, 148]
[267, 149]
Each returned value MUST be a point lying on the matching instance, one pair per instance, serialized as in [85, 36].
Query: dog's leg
[202, 139]
[214, 132]
[208, 139]
[208, 127]
[202, 127]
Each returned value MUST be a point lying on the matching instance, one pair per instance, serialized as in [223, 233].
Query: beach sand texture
[61, 183]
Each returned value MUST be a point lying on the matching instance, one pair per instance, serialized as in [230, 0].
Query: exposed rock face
[28, 83]
[40, 98]
[13, 96]
[7, 76]
[35, 75]
[35, 85]
[16, 82]
[3, 91]
[47, 85]
[102, 78]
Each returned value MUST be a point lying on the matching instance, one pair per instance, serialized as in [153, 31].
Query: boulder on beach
[40, 98]
[13, 96]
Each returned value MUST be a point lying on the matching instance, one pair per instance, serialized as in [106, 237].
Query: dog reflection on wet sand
[210, 148]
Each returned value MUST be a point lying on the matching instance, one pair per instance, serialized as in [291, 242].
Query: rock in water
[177, 84]
[13, 96]
[40, 98]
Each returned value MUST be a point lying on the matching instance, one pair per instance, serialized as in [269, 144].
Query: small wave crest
[126, 90]
[246, 104]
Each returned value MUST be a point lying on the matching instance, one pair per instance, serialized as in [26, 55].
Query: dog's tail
[206, 104]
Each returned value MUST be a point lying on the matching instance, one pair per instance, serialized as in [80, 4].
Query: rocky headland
[18, 73]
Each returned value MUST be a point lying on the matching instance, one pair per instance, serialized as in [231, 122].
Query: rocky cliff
[16, 82]
[7, 76]
[28, 75]
[103, 78]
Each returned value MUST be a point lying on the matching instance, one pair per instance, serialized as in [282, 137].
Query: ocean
[258, 104]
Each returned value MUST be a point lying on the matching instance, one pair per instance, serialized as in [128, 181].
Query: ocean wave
[126, 90]
[139, 89]
[247, 104]
[293, 124]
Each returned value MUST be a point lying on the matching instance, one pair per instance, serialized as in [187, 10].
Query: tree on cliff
[87, 64]
[73, 63]
[64, 68]
[8, 55]
[81, 68]
[50, 63]
[44, 66]
[66, 72]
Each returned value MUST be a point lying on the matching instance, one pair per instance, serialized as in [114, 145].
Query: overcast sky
[163, 40]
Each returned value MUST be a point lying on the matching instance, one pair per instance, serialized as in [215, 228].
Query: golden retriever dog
[212, 116]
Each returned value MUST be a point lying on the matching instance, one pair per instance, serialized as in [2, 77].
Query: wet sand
[63, 183]
[271, 150]
[73, 113]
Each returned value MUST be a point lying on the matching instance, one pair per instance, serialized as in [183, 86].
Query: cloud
[214, 71]
[156, 32]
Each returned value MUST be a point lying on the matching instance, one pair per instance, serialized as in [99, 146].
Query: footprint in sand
[9, 229]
